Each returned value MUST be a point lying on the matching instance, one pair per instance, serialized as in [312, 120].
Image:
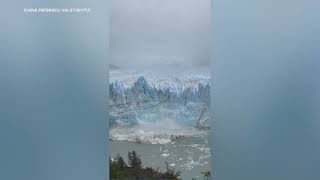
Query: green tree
[134, 160]
[121, 162]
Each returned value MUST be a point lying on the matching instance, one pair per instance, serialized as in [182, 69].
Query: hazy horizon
[160, 32]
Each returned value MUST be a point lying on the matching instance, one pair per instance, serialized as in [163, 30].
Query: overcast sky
[160, 31]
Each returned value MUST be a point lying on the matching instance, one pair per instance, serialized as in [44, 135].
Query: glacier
[156, 108]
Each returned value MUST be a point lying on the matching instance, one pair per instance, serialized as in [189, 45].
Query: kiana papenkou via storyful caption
[57, 10]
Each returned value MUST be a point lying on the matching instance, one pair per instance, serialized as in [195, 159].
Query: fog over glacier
[145, 32]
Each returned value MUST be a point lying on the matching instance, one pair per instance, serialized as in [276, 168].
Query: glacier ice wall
[162, 100]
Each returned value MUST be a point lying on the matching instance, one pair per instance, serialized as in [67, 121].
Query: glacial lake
[190, 155]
